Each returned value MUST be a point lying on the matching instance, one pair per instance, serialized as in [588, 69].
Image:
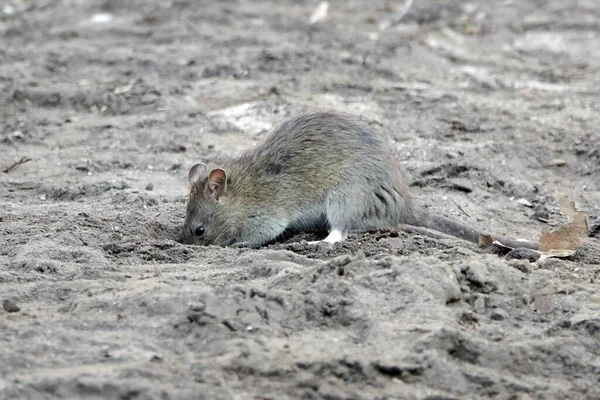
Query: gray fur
[314, 167]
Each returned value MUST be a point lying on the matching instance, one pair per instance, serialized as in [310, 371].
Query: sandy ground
[492, 107]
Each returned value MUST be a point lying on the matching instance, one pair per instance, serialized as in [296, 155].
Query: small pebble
[523, 254]
[498, 314]
[462, 185]
[479, 305]
[11, 307]
[522, 265]
[524, 202]
[559, 162]
[101, 18]
[198, 307]
[469, 317]
[150, 186]
[541, 215]
[553, 264]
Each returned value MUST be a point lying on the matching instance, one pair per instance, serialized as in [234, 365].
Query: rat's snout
[187, 235]
[184, 239]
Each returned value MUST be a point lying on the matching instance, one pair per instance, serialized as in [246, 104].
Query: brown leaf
[568, 236]
[485, 240]
[557, 254]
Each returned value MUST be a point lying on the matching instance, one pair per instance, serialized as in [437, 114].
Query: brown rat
[313, 169]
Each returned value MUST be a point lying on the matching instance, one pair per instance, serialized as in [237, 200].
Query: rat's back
[322, 140]
[323, 165]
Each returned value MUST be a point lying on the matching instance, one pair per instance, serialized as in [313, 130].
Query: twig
[396, 18]
[461, 209]
[22, 161]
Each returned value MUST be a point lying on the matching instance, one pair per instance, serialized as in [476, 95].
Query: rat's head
[204, 221]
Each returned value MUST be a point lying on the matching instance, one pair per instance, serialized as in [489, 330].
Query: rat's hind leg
[335, 236]
[341, 213]
[371, 208]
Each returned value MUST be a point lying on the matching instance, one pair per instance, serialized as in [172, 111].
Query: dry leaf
[557, 254]
[485, 240]
[566, 237]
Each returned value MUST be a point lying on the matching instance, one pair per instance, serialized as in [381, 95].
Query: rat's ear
[197, 172]
[217, 183]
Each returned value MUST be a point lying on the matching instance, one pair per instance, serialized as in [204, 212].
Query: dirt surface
[491, 107]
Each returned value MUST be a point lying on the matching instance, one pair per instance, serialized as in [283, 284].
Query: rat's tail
[445, 225]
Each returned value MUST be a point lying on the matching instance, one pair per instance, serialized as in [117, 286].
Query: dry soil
[491, 107]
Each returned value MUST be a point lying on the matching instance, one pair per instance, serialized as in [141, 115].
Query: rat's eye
[199, 231]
